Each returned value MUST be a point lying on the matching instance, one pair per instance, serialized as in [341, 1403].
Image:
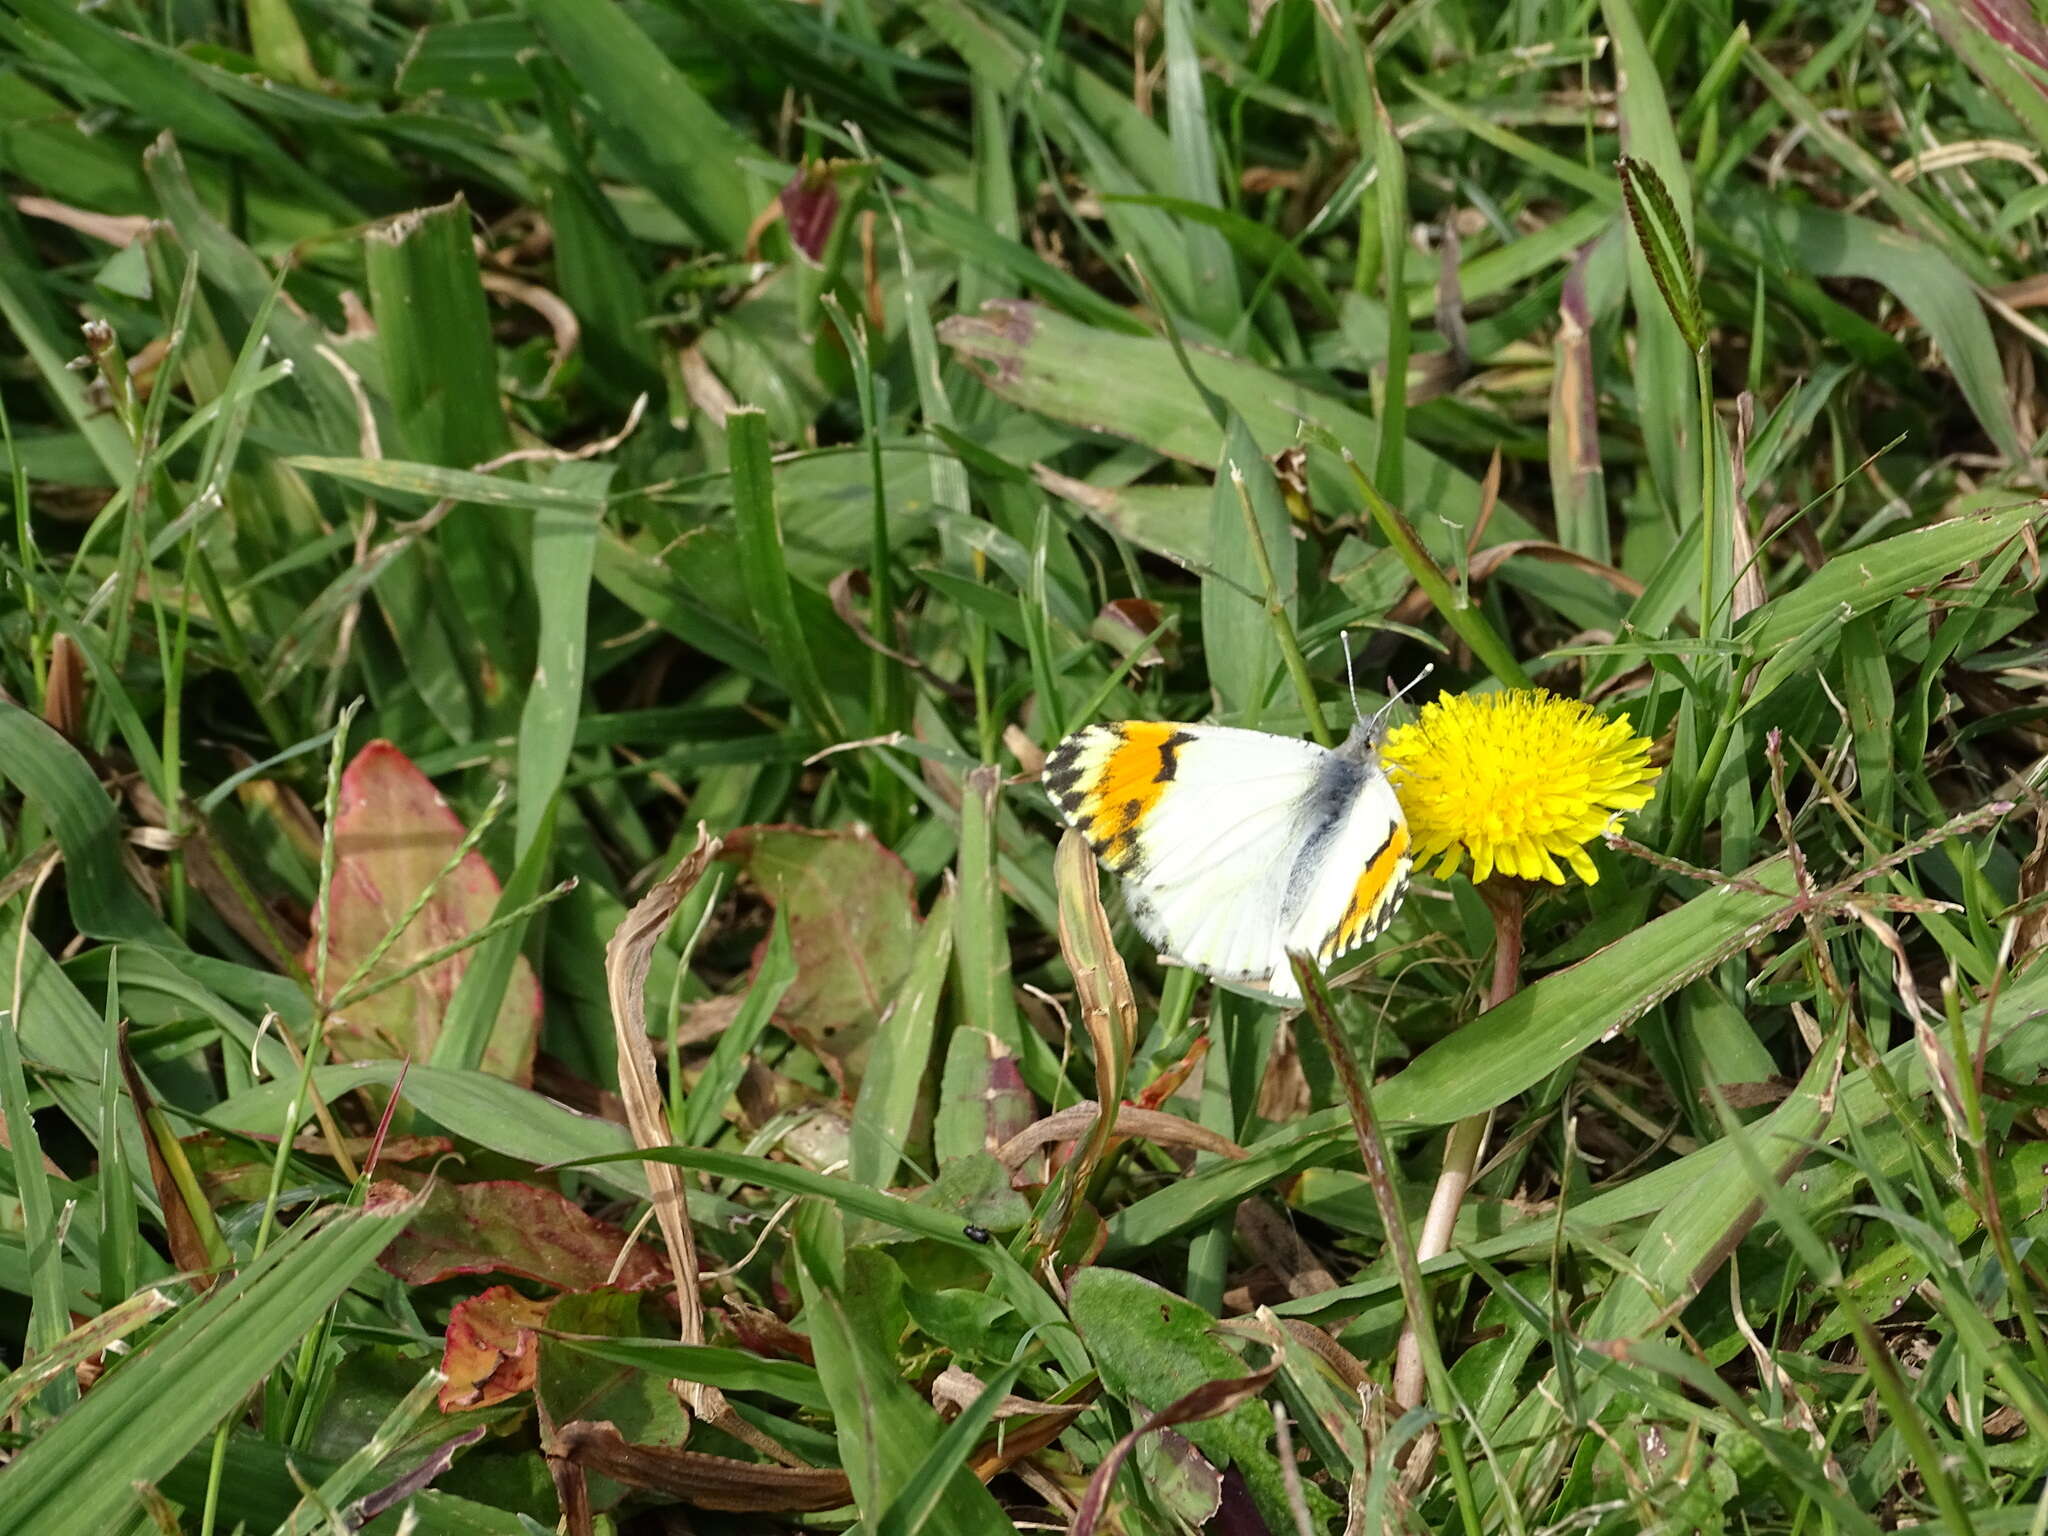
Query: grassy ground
[451, 378]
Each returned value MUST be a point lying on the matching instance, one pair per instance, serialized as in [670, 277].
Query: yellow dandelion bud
[1518, 779]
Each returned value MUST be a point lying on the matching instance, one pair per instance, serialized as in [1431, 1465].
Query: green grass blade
[652, 118]
[1504, 1051]
[564, 549]
[911, 1510]
[79, 1479]
[49, 1319]
[704, 1109]
[899, 1063]
[764, 572]
[49, 771]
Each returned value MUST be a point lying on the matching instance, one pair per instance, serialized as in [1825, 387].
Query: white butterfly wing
[1236, 846]
[1203, 824]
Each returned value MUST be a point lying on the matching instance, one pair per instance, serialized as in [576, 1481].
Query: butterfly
[1238, 846]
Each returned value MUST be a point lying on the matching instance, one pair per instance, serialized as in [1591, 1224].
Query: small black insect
[975, 1234]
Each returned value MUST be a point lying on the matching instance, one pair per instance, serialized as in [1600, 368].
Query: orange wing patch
[1106, 779]
[1373, 899]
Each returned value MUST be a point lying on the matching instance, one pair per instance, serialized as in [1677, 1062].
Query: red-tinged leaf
[1128, 624]
[1168, 1082]
[492, 1350]
[393, 834]
[983, 1102]
[852, 913]
[502, 1226]
[1180, 1478]
[2010, 24]
[810, 205]
[761, 1332]
[1237, 1513]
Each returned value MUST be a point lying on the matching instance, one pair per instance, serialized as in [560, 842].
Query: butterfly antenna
[1350, 681]
[1399, 693]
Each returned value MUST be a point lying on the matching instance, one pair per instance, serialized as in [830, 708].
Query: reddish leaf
[983, 1102]
[505, 1227]
[1128, 623]
[810, 203]
[1168, 1082]
[852, 915]
[761, 1332]
[393, 833]
[492, 1350]
[2011, 24]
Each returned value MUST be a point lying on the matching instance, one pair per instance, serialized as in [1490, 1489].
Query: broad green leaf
[884, 1428]
[578, 1379]
[1153, 1348]
[47, 769]
[730, 1370]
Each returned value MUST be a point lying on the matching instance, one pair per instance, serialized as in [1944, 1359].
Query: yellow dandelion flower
[1518, 779]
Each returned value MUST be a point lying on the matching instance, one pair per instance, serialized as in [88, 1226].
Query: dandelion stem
[1467, 1138]
[1372, 1152]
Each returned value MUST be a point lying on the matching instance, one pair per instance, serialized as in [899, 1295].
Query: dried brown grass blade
[1108, 1012]
[1150, 1124]
[626, 961]
[707, 1482]
[1208, 1401]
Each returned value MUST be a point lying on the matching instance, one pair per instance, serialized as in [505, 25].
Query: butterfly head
[1363, 744]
